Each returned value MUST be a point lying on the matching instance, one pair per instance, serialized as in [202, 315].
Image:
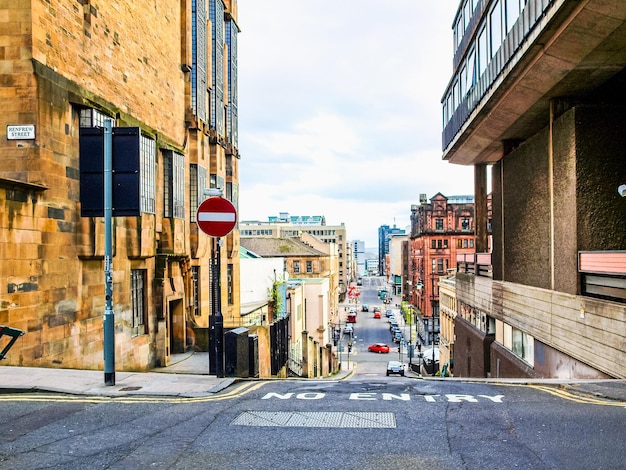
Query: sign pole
[109, 316]
[217, 319]
[216, 217]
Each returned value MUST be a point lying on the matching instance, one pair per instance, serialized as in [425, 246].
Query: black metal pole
[216, 321]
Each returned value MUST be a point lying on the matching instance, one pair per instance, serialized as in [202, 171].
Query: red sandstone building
[440, 229]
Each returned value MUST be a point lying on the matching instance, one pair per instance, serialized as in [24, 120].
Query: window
[216, 13]
[459, 243]
[232, 107]
[471, 74]
[465, 243]
[466, 14]
[463, 83]
[296, 267]
[445, 243]
[148, 174]
[438, 224]
[483, 52]
[440, 244]
[433, 244]
[495, 27]
[440, 265]
[309, 267]
[197, 184]
[229, 280]
[512, 13]
[138, 296]
[465, 224]
[173, 185]
[522, 345]
[471, 243]
[90, 117]
[199, 59]
[195, 289]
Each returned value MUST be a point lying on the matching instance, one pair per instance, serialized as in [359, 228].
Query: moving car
[378, 348]
[376, 314]
[348, 330]
[365, 308]
[395, 367]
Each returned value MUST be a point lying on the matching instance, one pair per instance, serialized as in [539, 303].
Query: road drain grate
[330, 419]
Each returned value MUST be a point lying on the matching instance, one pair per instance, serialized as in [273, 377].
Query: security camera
[622, 190]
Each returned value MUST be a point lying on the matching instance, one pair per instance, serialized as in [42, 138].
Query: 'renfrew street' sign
[23, 132]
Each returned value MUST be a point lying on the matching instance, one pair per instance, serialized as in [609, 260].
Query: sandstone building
[168, 68]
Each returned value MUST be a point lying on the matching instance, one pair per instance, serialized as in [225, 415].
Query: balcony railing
[478, 264]
[514, 40]
[603, 274]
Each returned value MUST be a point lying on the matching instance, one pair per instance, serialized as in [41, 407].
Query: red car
[378, 348]
[376, 314]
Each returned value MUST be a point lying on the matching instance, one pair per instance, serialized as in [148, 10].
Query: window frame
[139, 308]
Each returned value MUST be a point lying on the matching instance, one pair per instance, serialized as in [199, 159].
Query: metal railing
[478, 264]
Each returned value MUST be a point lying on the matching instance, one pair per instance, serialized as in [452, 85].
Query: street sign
[216, 216]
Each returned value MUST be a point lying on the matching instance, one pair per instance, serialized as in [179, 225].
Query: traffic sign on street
[216, 216]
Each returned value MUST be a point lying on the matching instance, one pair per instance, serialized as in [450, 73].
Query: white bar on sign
[216, 217]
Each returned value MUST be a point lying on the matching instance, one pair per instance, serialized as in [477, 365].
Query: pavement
[188, 376]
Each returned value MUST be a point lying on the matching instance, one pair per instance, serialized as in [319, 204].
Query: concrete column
[481, 216]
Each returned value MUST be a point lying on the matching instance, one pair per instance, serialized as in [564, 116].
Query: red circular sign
[216, 216]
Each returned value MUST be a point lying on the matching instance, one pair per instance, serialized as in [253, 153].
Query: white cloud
[339, 110]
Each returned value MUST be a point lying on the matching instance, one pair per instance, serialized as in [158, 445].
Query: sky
[340, 110]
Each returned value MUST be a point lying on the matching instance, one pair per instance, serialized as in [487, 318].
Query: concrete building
[537, 97]
[384, 231]
[397, 262]
[358, 254]
[441, 229]
[163, 73]
[285, 226]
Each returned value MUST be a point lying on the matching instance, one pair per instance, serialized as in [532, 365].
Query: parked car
[378, 348]
[348, 330]
[395, 367]
[389, 314]
[376, 314]
[397, 337]
[365, 308]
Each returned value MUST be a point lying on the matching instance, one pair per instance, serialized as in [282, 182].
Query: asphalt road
[365, 422]
[368, 421]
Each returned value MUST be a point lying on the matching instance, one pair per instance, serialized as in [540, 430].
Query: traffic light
[350, 346]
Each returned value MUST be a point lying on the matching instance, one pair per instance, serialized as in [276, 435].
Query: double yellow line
[566, 395]
[238, 391]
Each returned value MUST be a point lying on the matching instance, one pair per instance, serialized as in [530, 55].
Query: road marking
[578, 398]
[240, 390]
[312, 419]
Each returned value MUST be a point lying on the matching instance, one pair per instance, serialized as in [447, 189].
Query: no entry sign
[216, 216]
